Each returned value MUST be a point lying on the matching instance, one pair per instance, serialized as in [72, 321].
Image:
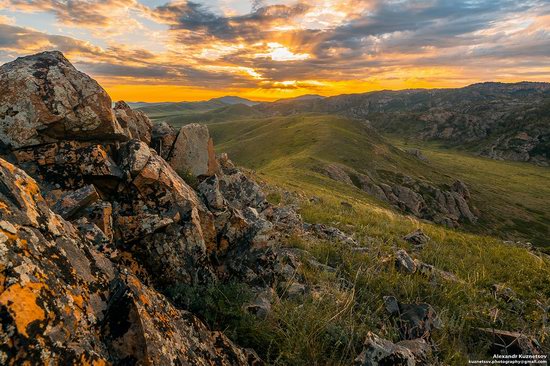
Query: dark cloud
[389, 36]
[196, 17]
[109, 69]
[21, 39]
[79, 12]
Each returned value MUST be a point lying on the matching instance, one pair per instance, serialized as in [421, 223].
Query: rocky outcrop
[43, 98]
[137, 124]
[62, 301]
[163, 138]
[84, 284]
[193, 151]
[417, 238]
[447, 205]
[414, 320]
[334, 171]
[189, 151]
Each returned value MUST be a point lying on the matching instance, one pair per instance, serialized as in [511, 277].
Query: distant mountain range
[498, 120]
[164, 108]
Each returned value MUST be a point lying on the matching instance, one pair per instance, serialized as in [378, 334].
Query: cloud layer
[272, 49]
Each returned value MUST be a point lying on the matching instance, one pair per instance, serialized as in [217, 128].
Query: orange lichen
[85, 361]
[78, 300]
[4, 164]
[21, 303]
[4, 207]
[9, 235]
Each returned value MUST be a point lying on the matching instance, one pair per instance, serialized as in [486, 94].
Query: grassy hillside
[328, 325]
[511, 197]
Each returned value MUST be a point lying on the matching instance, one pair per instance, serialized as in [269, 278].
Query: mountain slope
[509, 201]
[481, 117]
[167, 109]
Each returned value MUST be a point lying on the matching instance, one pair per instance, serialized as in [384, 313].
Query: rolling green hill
[509, 197]
[328, 326]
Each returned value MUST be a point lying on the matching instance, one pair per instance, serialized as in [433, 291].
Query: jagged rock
[404, 262]
[512, 343]
[417, 238]
[91, 232]
[210, 190]
[330, 233]
[414, 320]
[409, 200]
[418, 154]
[163, 138]
[378, 351]
[73, 201]
[285, 219]
[239, 190]
[71, 165]
[63, 302]
[421, 350]
[137, 123]
[156, 196]
[261, 305]
[461, 188]
[54, 288]
[431, 272]
[193, 152]
[368, 185]
[101, 214]
[335, 172]
[43, 98]
[444, 205]
[295, 290]
[143, 326]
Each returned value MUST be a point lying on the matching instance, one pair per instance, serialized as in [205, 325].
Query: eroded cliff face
[95, 224]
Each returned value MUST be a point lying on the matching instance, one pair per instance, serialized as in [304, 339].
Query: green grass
[478, 261]
[514, 198]
[328, 325]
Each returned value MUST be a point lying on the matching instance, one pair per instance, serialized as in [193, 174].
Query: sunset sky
[181, 50]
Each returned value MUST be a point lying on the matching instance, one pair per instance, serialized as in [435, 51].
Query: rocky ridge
[95, 224]
[447, 205]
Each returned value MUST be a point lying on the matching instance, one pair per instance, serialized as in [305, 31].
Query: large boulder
[62, 302]
[193, 152]
[71, 165]
[54, 288]
[137, 123]
[43, 98]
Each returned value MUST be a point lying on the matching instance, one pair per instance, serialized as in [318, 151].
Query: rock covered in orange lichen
[62, 302]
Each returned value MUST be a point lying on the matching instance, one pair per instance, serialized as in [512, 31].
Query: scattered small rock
[417, 238]
[512, 343]
[404, 262]
[414, 320]
[378, 351]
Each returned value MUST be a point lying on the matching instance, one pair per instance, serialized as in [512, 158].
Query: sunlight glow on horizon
[186, 51]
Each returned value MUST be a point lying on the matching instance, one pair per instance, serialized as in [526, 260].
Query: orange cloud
[186, 51]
